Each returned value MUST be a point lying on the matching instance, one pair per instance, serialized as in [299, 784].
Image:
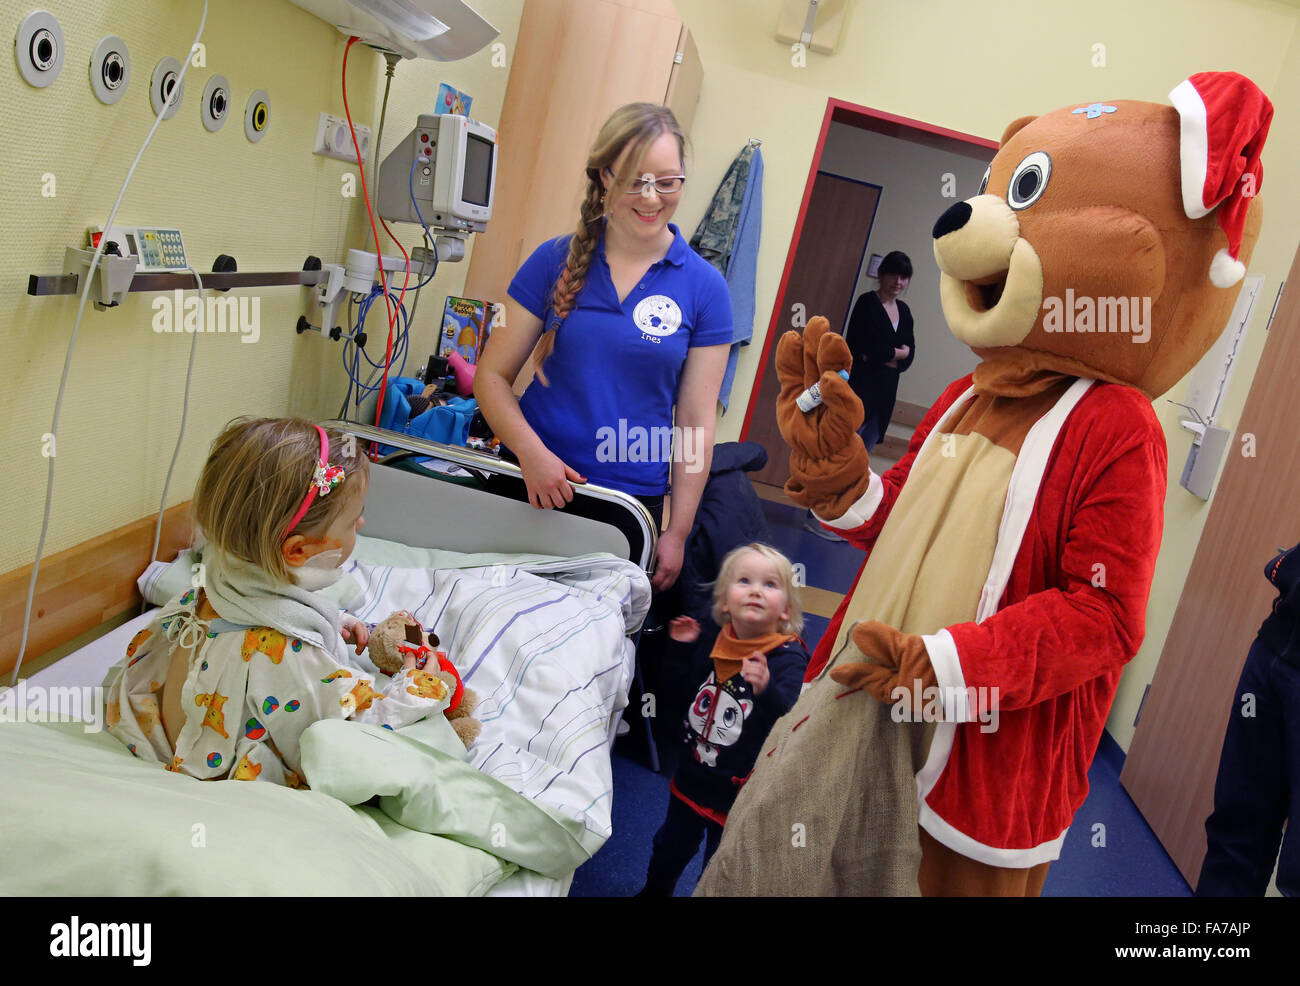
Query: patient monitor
[442, 176]
[443, 173]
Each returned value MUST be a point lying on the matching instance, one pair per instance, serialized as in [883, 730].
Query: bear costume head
[1055, 266]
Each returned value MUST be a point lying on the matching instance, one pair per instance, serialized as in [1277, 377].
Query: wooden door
[575, 62]
[1174, 757]
[685, 82]
[822, 278]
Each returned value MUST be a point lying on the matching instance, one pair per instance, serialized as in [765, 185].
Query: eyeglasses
[667, 185]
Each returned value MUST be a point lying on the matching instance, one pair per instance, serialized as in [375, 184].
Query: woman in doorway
[880, 338]
[634, 330]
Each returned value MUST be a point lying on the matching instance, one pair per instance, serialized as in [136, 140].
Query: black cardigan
[872, 340]
[715, 785]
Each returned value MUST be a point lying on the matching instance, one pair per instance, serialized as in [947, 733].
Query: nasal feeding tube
[812, 397]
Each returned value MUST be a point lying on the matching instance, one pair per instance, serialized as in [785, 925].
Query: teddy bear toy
[401, 634]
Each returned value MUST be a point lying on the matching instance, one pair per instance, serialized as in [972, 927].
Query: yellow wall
[270, 204]
[969, 67]
[974, 68]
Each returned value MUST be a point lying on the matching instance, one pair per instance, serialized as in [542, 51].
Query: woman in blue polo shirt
[634, 331]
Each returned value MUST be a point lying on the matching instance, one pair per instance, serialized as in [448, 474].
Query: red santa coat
[1072, 614]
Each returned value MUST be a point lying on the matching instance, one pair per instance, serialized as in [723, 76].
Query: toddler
[758, 666]
[225, 679]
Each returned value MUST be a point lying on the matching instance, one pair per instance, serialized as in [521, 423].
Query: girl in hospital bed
[228, 675]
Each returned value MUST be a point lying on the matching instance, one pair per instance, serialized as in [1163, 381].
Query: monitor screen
[478, 171]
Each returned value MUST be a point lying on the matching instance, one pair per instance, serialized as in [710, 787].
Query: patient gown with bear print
[248, 695]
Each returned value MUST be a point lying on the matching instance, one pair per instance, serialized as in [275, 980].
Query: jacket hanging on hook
[727, 237]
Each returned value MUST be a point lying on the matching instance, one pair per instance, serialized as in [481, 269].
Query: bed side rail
[494, 513]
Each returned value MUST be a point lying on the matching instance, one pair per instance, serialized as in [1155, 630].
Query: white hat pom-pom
[1224, 271]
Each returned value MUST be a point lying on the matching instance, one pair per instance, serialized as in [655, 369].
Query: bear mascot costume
[954, 705]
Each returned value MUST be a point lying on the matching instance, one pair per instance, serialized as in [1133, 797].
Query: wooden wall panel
[1174, 758]
[84, 586]
[575, 62]
[684, 86]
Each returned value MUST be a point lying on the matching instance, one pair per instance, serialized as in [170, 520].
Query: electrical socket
[333, 139]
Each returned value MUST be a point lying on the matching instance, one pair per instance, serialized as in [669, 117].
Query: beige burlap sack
[830, 809]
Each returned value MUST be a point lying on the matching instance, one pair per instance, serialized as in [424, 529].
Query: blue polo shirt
[616, 366]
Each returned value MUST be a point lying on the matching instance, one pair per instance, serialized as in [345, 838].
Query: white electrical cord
[67, 360]
[180, 437]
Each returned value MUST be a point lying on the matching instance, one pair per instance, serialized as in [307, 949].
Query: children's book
[466, 324]
[451, 100]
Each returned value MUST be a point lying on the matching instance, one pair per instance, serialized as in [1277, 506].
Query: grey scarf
[243, 593]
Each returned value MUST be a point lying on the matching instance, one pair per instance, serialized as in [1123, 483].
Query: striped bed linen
[545, 645]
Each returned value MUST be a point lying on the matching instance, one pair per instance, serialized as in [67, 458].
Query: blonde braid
[625, 135]
[569, 283]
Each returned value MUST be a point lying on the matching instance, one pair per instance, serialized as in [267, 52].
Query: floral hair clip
[327, 478]
[323, 481]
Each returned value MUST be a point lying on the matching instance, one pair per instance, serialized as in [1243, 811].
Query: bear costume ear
[1014, 127]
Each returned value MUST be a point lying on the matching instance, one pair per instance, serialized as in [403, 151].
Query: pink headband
[323, 481]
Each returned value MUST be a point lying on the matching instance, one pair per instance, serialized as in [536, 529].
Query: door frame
[843, 210]
[865, 118]
[880, 191]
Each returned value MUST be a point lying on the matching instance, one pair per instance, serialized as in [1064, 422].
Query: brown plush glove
[901, 661]
[828, 463]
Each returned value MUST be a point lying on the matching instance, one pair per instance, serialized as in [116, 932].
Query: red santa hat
[1225, 119]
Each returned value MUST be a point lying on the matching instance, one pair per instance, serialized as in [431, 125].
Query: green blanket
[422, 781]
[80, 816]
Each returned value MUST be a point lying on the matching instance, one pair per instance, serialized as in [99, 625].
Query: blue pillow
[448, 424]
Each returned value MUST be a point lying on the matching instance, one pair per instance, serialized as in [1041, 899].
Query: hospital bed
[536, 610]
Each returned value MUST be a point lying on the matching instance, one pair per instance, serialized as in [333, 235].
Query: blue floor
[1131, 863]
[1109, 850]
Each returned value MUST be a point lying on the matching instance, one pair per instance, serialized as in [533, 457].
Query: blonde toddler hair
[257, 476]
[784, 571]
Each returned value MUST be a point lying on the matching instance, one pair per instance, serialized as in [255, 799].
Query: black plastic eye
[1029, 180]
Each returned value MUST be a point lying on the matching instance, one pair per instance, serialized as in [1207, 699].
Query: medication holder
[113, 276]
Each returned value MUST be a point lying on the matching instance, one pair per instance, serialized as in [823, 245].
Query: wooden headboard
[84, 586]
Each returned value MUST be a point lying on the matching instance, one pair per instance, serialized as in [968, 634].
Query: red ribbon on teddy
[422, 654]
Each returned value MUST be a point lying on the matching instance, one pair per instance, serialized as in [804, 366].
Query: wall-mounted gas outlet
[215, 104]
[257, 115]
[333, 139]
[39, 48]
[110, 69]
[166, 88]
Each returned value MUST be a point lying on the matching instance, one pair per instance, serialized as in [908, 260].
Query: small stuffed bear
[401, 633]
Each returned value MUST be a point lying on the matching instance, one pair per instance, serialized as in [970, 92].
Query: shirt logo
[657, 316]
